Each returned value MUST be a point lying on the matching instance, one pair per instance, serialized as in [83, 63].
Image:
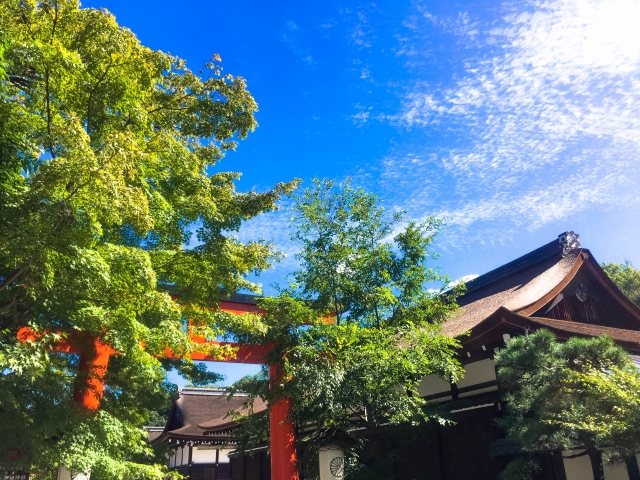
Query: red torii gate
[94, 361]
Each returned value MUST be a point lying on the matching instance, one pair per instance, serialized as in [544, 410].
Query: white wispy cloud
[417, 45]
[361, 34]
[272, 227]
[366, 74]
[294, 39]
[461, 25]
[361, 117]
[538, 122]
[550, 117]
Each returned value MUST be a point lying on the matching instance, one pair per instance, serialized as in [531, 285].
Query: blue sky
[516, 120]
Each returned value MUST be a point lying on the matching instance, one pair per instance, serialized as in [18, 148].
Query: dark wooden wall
[458, 451]
[256, 467]
[207, 471]
[446, 452]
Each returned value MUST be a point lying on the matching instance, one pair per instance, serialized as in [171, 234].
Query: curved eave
[205, 439]
[160, 439]
[542, 301]
[504, 320]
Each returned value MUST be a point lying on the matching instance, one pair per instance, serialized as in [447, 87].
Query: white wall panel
[478, 372]
[433, 384]
[578, 468]
[203, 454]
[207, 454]
[617, 471]
[224, 455]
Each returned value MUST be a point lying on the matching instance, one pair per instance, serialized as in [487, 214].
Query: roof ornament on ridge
[569, 241]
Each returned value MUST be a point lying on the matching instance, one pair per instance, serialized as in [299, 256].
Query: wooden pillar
[244, 468]
[216, 476]
[92, 370]
[632, 468]
[284, 458]
[441, 453]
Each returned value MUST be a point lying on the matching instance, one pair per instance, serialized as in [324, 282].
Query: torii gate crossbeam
[94, 361]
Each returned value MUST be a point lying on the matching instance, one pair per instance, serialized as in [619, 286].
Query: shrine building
[559, 286]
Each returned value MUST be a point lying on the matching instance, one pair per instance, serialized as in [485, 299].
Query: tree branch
[13, 277]
[48, 101]
[166, 107]
[9, 305]
[90, 100]
[55, 21]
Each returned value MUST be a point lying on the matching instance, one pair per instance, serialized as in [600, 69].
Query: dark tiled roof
[247, 298]
[524, 282]
[619, 334]
[504, 447]
[524, 285]
[551, 249]
[196, 406]
[226, 421]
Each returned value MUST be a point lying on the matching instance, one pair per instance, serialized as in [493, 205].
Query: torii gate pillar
[284, 458]
[94, 360]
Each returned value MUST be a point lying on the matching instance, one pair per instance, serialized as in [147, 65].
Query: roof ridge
[211, 391]
[564, 242]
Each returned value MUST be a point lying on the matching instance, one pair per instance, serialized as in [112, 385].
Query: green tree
[579, 395]
[108, 169]
[357, 328]
[361, 263]
[254, 426]
[626, 278]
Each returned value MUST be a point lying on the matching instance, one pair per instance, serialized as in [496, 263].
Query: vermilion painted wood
[25, 334]
[284, 456]
[91, 372]
[94, 360]
[251, 354]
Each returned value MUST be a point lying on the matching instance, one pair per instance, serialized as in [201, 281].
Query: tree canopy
[626, 277]
[109, 158]
[357, 328]
[581, 395]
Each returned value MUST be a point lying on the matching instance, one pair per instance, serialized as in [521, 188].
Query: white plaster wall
[200, 454]
[475, 373]
[432, 384]
[224, 455]
[203, 454]
[578, 468]
[478, 372]
[182, 456]
[617, 471]
[207, 454]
